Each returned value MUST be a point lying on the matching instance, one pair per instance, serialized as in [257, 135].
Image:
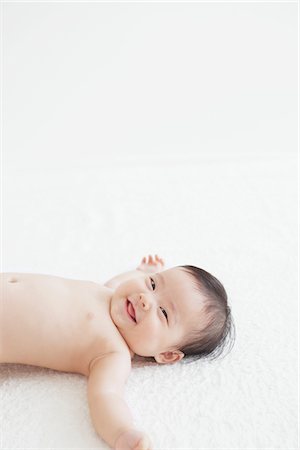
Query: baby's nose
[144, 302]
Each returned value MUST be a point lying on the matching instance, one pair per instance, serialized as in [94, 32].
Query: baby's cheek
[149, 337]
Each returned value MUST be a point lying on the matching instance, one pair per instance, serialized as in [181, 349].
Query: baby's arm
[153, 265]
[110, 414]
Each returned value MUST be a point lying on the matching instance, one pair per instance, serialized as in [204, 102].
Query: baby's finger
[150, 259]
[159, 259]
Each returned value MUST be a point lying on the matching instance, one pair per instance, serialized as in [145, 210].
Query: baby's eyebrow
[161, 279]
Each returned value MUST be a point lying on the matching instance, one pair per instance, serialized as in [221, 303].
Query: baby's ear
[169, 357]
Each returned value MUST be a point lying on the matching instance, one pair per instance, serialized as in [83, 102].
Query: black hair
[210, 341]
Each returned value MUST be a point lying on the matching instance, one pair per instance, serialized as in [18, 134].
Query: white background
[88, 82]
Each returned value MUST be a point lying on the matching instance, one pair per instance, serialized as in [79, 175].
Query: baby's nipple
[13, 280]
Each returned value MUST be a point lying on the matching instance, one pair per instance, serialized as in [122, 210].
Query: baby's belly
[51, 321]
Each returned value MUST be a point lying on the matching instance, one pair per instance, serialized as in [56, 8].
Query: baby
[87, 328]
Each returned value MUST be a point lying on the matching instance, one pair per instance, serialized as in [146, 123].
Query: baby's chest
[52, 304]
[53, 322]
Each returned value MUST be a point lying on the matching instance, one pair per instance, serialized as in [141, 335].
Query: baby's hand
[155, 264]
[133, 440]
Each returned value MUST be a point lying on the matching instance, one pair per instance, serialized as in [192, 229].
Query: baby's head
[215, 324]
[179, 312]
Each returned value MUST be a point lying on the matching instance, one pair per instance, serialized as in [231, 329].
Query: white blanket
[236, 219]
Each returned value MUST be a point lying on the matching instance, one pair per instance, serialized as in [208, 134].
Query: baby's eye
[152, 283]
[164, 312]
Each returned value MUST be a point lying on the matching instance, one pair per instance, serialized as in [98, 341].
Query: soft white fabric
[236, 218]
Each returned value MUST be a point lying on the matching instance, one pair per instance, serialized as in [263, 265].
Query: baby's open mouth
[130, 310]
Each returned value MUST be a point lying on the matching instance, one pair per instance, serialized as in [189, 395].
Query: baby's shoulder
[115, 357]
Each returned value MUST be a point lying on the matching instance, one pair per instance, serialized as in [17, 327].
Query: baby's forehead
[181, 290]
[180, 284]
[178, 277]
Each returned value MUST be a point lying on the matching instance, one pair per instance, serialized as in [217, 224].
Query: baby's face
[154, 313]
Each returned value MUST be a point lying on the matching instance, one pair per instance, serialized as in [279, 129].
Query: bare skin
[84, 327]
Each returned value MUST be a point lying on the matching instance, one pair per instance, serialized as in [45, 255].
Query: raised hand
[151, 264]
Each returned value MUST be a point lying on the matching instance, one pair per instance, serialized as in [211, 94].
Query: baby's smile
[130, 310]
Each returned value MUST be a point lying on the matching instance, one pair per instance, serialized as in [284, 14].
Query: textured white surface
[236, 219]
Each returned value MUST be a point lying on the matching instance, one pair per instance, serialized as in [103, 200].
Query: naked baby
[95, 330]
